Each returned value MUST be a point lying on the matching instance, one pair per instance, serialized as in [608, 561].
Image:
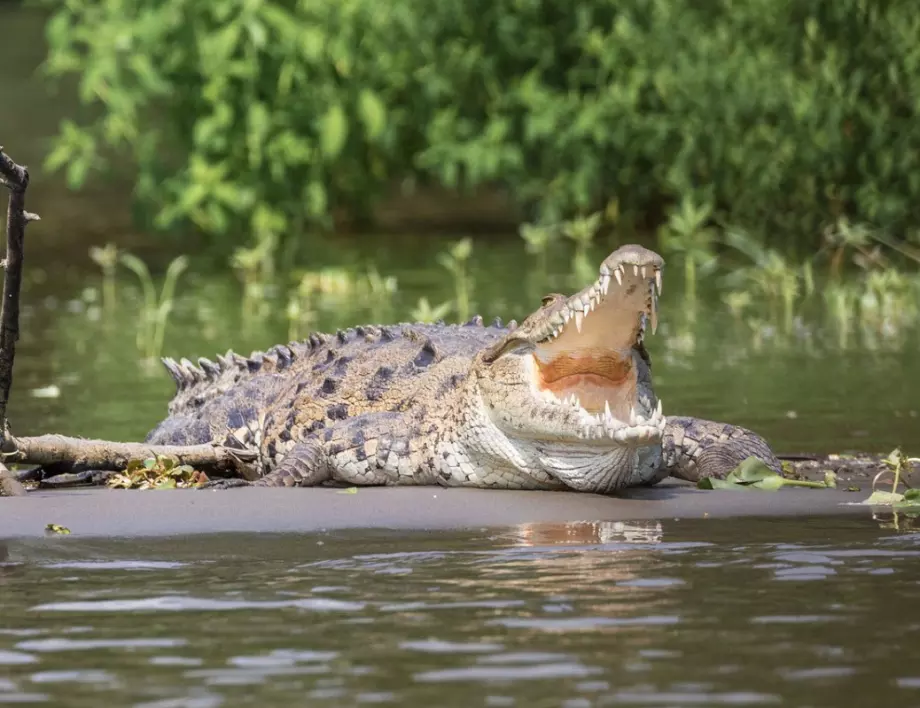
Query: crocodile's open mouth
[585, 359]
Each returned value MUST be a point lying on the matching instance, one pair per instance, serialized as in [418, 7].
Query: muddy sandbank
[103, 512]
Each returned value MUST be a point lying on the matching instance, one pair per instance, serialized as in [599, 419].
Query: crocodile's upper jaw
[572, 375]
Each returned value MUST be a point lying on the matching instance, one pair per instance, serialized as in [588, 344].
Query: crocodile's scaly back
[313, 383]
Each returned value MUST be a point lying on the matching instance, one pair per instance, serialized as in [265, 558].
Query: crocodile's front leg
[694, 448]
[370, 449]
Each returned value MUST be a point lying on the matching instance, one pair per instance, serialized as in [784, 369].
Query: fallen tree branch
[15, 178]
[82, 454]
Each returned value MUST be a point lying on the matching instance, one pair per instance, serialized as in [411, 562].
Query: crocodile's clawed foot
[229, 483]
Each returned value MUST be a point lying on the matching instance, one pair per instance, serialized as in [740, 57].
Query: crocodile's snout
[582, 369]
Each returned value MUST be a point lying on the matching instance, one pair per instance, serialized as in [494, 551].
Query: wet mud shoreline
[103, 512]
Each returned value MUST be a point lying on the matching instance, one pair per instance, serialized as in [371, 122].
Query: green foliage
[262, 117]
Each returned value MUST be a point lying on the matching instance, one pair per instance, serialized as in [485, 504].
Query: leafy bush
[263, 116]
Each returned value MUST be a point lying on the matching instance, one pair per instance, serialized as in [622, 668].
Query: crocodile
[562, 401]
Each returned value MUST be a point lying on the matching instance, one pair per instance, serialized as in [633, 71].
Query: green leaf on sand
[909, 500]
[754, 474]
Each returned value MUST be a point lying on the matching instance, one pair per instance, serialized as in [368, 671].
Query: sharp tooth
[635, 270]
[565, 316]
[658, 280]
[579, 320]
[632, 416]
[605, 283]
[659, 410]
[642, 270]
[654, 314]
[619, 274]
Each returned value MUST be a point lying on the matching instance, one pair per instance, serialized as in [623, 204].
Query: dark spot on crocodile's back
[341, 364]
[337, 412]
[427, 355]
[329, 387]
[451, 384]
[239, 417]
[377, 384]
[325, 363]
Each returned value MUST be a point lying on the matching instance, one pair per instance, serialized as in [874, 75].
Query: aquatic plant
[843, 236]
[582, 230]
[455, 260]
[752, 473]
[155, 310]
[107, 259]
[688, 235]
[255, 267]
[425, 312]
[340, 290]
[537, 239]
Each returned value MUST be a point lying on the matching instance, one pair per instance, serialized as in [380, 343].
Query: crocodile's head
[572, 384]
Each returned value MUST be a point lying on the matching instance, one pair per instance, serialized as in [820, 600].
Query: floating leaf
[57, 529]
[350, 490]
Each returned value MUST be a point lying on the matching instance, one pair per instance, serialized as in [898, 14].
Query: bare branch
[16, 179]
[85, 454]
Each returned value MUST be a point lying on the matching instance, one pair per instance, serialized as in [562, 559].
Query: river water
[806, 612]
[798, 612]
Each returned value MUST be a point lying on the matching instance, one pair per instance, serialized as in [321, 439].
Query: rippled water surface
[748, 612]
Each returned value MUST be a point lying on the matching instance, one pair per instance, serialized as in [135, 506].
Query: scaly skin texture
[563, 401]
